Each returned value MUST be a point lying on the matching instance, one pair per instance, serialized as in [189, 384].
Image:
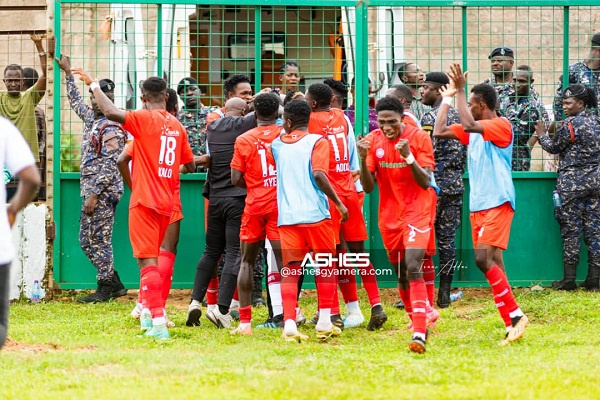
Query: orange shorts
[354, 229]
[258, 227]
[146, 231]
[417, 236]
[492, 227]
[361, 199]
[298, 240]
[176, 215]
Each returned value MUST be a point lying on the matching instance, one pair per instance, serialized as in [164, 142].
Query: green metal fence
[376, 42]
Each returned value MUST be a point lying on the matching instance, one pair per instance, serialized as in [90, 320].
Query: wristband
[94, 85]
[447, 100]
[410, 159]
[42, 53]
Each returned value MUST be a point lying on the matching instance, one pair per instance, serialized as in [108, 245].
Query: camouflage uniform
[194, 122]
[418, 108]
[505, 91]
[450, 162]
[523, 113]
[101, 145]
[578, 184]
[578, 73]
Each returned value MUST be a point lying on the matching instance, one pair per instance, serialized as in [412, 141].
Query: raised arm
[40, 85]
[459, 81]
[82, 110]
[440, 128]
[105, 105]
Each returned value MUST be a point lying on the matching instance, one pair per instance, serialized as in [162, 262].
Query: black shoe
[117, 287]
[337, 320]
[590, 286]
[443, 300]
[101, 295]
[257, 300]
[564, 285]
[313, 320]
[378, 318]
[399, 305]
[193, 315]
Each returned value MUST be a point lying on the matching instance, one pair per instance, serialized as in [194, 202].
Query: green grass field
[66, 350]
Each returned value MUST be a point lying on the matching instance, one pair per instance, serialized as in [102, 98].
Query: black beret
[437, 78]
[596, 39]
[502, 51]
[106, 85]
[185, 82]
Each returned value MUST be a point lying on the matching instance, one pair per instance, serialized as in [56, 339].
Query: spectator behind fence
[30, 77]
[523, 110]
[586, 72]
[351, 111]
[289, 76]
[237, 85]
[412, 76]
[15, 155]
[577, 141]
[404, 94]
[193, 115]
[19, 106]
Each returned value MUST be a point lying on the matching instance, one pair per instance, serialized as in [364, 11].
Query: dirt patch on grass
[12, 346]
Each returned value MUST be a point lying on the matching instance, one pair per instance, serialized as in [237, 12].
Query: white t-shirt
[14, 155]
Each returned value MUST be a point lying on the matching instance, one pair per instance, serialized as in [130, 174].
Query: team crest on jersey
[379, 153]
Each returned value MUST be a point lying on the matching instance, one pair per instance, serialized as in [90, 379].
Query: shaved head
[235, 107]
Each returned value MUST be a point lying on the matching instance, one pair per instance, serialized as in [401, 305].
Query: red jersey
[401, 199]
[161, 145]
[130, 151]
[250, 157]
[334, 127]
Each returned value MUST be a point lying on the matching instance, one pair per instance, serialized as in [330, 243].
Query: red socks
[347, 283]
[405, 296]
[151, 285]
[245, 314]
[166, 262]
[235, 297]
[503, 296]
[369, 280]
[212, 293]
[429, 278]
[327, 290]
[418, 301]
[289, 291]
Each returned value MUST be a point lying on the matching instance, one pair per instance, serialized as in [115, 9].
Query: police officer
[577, 141]
[586, 72]
[101, 183]
[502, 60]
[523, 112]
[193, 114]
[450, 162]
